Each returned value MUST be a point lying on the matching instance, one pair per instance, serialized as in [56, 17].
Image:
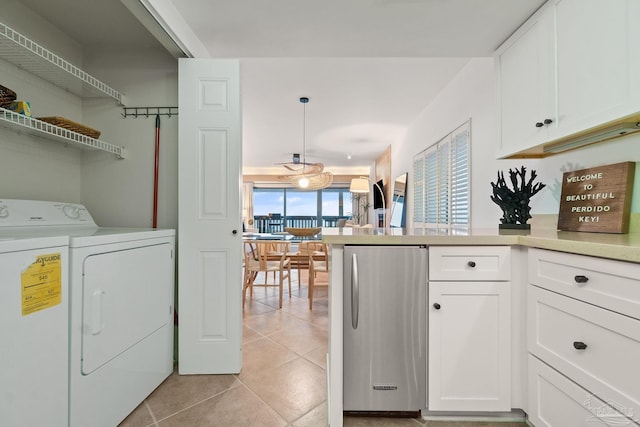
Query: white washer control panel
[25, 213]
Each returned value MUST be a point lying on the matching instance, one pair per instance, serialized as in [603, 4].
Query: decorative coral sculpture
[515, 203]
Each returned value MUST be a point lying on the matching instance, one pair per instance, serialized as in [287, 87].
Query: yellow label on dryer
[42, 284]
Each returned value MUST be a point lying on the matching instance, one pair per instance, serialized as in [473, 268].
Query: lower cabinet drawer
[596, 348]
[556, 401]
[474, 263]
[614, 285]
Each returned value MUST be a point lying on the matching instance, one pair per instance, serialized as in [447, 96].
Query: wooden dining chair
[300, 258]
[318, 262]
[264, 257]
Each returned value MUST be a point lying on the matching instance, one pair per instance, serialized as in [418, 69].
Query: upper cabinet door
[526, 84]
[594, 49]
[570, 68]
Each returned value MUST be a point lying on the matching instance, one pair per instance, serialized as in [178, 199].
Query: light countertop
[624, 247]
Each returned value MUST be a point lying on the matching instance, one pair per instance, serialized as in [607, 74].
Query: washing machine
[120, 316]
[34, 337]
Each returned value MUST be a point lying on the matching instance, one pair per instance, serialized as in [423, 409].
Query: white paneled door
[209, 224]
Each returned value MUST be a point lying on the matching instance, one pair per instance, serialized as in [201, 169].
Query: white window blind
[441, 182]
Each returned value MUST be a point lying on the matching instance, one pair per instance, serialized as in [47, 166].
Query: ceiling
[369, 67]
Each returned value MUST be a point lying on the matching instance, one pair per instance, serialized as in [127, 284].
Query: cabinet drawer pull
[539, 124]
[548, 121]
[436, 306]
[579, 345]
[581, 279]
[471, 264]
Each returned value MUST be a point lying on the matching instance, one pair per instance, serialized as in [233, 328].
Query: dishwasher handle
[355, 291]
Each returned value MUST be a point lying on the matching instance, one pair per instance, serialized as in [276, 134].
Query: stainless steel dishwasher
[385, 330]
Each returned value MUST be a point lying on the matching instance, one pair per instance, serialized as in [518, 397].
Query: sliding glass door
[278, 208]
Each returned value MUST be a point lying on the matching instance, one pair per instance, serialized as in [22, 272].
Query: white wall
[120, 192]
[32, 167]
[117, 192]
[551, 169]
[471, 94]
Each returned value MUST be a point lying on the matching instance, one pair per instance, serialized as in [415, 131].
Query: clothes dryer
[122, 287]
[118, 307]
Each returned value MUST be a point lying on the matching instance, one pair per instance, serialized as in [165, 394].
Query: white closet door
[209, 224]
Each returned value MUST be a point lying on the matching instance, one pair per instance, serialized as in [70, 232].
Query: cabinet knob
[471, 264]
[234, 232]
[548, 121]
[579, 345]
[539, 124]
[436, 306]
[581, 279]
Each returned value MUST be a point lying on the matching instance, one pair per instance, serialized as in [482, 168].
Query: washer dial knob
[71, 211]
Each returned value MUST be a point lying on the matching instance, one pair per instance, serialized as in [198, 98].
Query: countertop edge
[617, 247]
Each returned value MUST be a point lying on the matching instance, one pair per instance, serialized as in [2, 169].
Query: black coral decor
[515, 202]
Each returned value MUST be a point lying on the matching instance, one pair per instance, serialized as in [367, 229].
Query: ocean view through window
[292, 207]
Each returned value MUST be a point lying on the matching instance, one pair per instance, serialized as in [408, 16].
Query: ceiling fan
[308, 176]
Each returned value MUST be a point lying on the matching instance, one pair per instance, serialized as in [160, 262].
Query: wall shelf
[31, 56]
[19, 122]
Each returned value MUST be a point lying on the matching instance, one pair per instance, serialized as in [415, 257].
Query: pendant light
[307, 176]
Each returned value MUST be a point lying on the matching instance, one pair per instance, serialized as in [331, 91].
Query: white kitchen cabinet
[527, 85]
[469, 314]
[572, 67]
[583, 321]
[594, 46]
[559, 402]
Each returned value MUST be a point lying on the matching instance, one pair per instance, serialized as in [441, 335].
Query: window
[298, 208]
[441, 182]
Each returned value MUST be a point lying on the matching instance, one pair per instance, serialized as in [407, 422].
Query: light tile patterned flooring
[283, 378]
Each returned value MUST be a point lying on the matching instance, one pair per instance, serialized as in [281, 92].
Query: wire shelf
[31, 56]
[17, 121]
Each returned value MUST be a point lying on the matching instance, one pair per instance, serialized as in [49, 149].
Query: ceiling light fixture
[308, 176]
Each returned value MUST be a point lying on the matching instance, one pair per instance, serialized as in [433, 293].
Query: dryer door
[127, 295]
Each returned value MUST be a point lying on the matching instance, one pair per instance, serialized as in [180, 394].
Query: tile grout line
[153, 417]
[202, 401]
[250, 390]
[308, 412]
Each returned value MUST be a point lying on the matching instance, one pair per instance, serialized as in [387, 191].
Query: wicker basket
[303, 232]
[71, 125]
[7, 96]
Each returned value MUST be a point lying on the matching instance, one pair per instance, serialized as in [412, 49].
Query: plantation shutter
[442, 182]
[431, 187]
[460, 178]
[418, 189]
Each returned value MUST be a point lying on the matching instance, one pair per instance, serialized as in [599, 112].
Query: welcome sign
[597, 199]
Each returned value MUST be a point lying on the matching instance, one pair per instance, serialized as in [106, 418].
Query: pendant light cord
[304, 101]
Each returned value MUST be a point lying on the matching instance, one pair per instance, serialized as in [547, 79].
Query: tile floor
[283, 379]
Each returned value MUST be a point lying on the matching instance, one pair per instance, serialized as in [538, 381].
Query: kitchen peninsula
[606, 269]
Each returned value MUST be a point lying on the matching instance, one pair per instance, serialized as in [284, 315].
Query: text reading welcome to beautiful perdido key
[597, 199]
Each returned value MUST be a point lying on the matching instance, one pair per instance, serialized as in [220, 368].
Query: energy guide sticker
[41, 285]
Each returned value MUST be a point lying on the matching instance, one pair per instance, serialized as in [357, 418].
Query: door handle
[355, 292]
[97, 318]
